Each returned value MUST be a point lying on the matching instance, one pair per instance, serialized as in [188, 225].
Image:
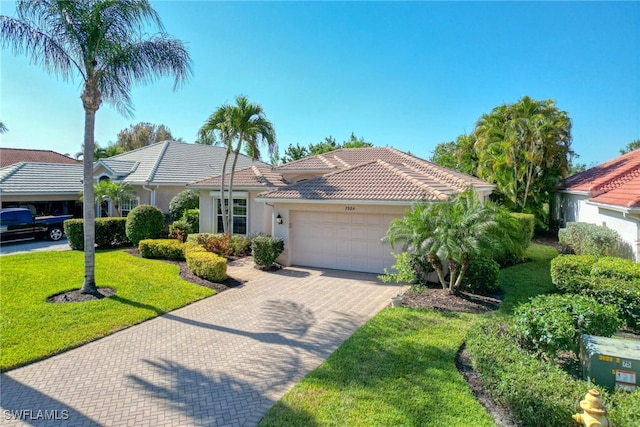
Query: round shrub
[556, 322]
[187, 199]
[144, 222]
[481, 276]
[192, 216]
[266, 249]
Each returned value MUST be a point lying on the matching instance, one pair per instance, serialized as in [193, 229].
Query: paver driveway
[221, 361]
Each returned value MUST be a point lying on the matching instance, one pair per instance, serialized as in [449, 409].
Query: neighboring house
[159, 171]
[607, 194]
[44, 181]
[156, 172]
[332, 209]
[10, 156]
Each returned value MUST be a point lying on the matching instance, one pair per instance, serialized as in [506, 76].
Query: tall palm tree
[245, 125]
[450, 233]
[102, 41]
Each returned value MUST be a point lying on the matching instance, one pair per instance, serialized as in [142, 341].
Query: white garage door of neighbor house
[343, 241]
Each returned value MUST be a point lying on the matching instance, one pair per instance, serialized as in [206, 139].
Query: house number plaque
[349, 208]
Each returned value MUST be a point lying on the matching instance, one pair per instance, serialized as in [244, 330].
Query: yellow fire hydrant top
[595, 414]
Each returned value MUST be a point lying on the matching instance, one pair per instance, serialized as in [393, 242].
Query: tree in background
[297, 152]
[100, 152]
[103, 42]
[3, 128]
[142, 134]
[243, 125]
[458, 155]
[634, 145]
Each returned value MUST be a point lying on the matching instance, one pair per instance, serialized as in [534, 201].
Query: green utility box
[611, 362]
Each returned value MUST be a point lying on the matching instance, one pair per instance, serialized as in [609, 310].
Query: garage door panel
[348, 241]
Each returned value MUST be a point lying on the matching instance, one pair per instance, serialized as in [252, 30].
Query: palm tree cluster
[449, 234]
[243, 125]
[104, 42]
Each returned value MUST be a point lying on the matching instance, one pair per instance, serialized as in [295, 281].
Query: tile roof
[172, 162]
[616, 182]
[383, 174]
[251, 177]
[10, 156]
[41, 178]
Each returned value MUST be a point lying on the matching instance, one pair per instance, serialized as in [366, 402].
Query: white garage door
[344, 241]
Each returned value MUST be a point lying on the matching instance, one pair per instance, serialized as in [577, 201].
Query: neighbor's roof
[171, 163]
[616, 182]
[41, 178]
[251, 177]
[10, 156]
[375, 174]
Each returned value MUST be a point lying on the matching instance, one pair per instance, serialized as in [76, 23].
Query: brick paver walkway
[219, 362]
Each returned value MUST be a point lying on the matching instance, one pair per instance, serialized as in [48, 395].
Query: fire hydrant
[595, 414]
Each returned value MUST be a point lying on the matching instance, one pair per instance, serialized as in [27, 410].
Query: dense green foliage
[266, 249]
[207, 265]
[162, 249]
[633, 145]
[184, 200]
[144, 222]
[453, 232]
[192, 217]
[550, 323]
[397, 370]
[591, 239]
[481, 276]
[110, 233]
[33, 329]
[297, 152]
[610, 280]
[240, 245]
[142, 134]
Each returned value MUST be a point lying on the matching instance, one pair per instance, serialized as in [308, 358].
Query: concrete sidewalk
[219, 362]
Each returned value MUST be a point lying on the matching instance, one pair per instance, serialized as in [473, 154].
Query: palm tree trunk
[223, 210]
[437, 265]
[233, 170]
[91, 101]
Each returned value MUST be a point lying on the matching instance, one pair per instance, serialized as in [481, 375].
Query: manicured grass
[32, 328]
[397, 370]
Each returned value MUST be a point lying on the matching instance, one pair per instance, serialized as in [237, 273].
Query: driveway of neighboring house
[34, 246]
[222, 361]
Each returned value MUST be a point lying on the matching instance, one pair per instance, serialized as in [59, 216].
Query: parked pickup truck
[20, 224]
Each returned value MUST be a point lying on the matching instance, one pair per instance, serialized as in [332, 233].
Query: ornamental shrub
[240, 245]
[556, 322]
[73, 228]
[481, 276]
[625, 296]
[145, 222]
[162, 249]
[109, 233]
[186, 199]
[207, 265]
[266, 249]
[179, 230]
[616, 268]
[192, 217]
[570, 273]
[188, 247]
[219, 244]
[590, 239]
[516, 241]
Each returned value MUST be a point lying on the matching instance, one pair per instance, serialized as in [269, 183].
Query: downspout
[152, 196]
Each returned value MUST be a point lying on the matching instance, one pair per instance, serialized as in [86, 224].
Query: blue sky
[404, 74]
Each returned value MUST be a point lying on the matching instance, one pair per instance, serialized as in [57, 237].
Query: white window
[127, 205]
[238, 216]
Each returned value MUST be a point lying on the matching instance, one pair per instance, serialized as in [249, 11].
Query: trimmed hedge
[609, 280]
[266, 249]
[532, 388]
[591, 239]
[550, 323]
[207, 265]
[192, 247]
[162, 248]
[569, 272]
[145, 222]
[109, 233]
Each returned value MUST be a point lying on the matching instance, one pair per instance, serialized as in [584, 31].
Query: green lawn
[31, 328]
[399, 368]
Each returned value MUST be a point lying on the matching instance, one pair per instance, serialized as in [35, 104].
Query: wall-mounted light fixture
[279, 219]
